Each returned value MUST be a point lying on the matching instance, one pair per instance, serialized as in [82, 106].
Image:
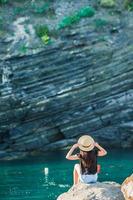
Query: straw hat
[86, 143]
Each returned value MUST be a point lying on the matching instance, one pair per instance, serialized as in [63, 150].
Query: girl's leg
[76, 174]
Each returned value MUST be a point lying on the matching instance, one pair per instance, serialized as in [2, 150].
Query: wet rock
[14, 155]
[58, 145]
[97, 191]
[126, 130]
[3, 154]
[3, 146]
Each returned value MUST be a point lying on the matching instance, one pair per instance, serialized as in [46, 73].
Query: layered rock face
[97, 191]
[81, 83]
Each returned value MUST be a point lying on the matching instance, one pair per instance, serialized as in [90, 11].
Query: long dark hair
[88, 161]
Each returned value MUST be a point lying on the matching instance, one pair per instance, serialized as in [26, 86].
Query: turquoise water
[25, 179]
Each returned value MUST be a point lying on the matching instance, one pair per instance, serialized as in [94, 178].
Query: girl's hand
[96, 144]
[102, 151]
[75, 146]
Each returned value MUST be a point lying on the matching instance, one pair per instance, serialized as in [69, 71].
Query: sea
[45, 177]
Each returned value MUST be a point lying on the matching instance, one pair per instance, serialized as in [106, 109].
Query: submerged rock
[97, 191]
[127, 188]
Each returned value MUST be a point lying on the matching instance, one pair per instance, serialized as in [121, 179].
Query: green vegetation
[70, 20]
[3, 1]
[2, 33]
[107, 3]
[2, 29]
[86, 12]
[45, 39]
[19, 10]
[43, 32]
[129, 5]
[40, 9]
[100, 22]
[23, 49]
[1, 22]
[102, 38]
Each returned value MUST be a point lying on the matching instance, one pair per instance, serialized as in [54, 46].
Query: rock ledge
[97, 191]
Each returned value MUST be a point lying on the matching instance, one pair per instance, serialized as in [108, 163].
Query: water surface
[26, 179]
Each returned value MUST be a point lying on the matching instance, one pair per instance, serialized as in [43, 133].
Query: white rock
[97, 191]
[127, 188]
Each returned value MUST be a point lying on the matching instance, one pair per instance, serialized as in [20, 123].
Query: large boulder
[97, 191]
[127, 188]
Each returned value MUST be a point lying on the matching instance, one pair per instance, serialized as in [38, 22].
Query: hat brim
[86, 148]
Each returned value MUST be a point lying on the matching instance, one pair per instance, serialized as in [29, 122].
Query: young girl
[86, 171]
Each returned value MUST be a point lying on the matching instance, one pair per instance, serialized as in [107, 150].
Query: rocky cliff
[65, 69]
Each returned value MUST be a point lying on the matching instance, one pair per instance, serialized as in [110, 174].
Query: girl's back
[88, 166]
[88, 162]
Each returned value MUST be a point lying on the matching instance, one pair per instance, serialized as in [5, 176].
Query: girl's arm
[69, 155]
[102, 151]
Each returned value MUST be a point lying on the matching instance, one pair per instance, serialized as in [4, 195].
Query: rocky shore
[100, 191]
[97, 191]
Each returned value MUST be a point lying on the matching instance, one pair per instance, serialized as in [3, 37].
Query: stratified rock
[126, 129]
[127, 188]
[97, 191]
[80, 83]
[58, 145]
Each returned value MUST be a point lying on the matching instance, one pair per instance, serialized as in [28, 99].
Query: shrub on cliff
[3, 1]
[129, 5]
[100, 23]
[86, 12]
[76, 17]
[43, 32]
[40, 9]
[107, 3]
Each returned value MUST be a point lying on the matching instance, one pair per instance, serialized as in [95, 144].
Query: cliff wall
[65, 72]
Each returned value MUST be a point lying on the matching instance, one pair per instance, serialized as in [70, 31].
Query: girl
[86, 171]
